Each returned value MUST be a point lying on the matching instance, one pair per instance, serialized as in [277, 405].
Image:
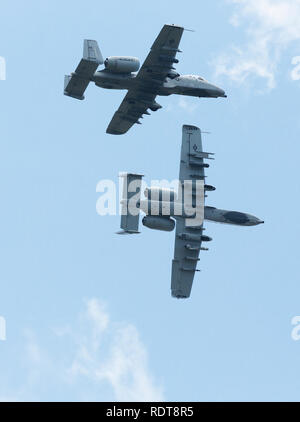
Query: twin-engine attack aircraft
[157, 76]
[188, 239]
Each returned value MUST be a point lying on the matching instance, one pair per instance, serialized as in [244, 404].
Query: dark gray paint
[188, 240]
[156, 77]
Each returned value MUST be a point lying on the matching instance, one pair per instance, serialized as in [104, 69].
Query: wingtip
[190, 127]
[113, 132]
[173, 25]
[178, 295]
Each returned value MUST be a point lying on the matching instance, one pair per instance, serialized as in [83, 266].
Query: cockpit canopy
[196, 78]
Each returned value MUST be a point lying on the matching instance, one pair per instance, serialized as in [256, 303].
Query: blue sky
[89, 314]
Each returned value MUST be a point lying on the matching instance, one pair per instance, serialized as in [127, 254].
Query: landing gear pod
[165, 224]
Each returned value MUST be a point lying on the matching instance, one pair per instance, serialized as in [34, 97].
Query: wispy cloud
[182, 104]
[124, 363]
[186, 105]
[270, 27]
[93, 354]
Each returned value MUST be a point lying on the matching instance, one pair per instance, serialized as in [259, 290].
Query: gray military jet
[157, 76]
[159, 207]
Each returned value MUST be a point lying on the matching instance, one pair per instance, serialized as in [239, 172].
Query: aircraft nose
[218, 92]
[221, 92]
[255, 221]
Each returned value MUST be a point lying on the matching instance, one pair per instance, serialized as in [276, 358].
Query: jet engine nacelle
[159, 223]
[160, 194]
[122, 64]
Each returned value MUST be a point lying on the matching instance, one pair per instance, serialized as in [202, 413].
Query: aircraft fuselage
[190, 85]
[167, 209]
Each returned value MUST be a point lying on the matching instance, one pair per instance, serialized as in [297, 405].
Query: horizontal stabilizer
[124, 232]
[75, 87]
[131, 203]
[76, 83]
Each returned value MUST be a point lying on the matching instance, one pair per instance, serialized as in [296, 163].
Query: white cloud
[33, 352]
[124, 365]
[187, 106]
[271, 26]
[94, 359]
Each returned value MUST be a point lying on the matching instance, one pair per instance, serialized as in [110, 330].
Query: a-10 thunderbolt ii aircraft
[157, 76]
[160, 203]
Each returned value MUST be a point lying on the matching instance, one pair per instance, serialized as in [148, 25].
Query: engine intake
[159, 223]
[122, 64]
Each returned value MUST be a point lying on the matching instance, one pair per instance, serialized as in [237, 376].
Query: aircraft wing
[132, 108]
[151, 75]
[161, 58]
[186, 257]
[188, 238]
